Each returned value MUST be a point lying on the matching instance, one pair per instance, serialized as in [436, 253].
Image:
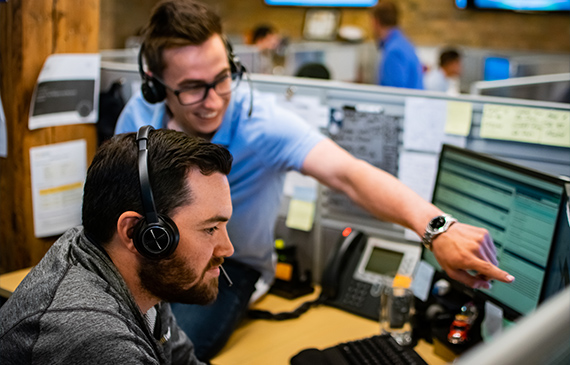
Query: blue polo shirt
[264, 147]
[400, 66]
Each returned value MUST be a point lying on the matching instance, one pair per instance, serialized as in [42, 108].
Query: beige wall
[121, 19]
[427, 23]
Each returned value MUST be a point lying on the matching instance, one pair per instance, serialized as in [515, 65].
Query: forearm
[387, 198]
[375, 190]
[461, 248]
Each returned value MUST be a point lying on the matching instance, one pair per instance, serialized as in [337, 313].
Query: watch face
[437, 222]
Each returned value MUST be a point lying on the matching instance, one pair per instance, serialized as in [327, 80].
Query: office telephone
[359, 269]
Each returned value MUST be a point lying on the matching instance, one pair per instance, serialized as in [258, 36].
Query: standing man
[190, 69]
[399, 66]
[96, 296]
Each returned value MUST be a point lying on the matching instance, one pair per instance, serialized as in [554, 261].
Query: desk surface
[262, 342]
[10, 281]
[275, 342]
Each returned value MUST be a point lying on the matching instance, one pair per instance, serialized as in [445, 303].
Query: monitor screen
[525, 5]
[496, 68]
[515, 5]
[519, 207]
[328, 3]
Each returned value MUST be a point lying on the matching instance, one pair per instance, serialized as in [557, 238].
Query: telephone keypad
[356, 293]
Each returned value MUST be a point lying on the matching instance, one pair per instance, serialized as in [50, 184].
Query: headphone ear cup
[153, 91]
[158, 240]
[235, 65]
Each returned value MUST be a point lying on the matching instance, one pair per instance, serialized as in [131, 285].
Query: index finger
[490, 271]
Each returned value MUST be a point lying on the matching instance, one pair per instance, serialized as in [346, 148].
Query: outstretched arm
[461, 248]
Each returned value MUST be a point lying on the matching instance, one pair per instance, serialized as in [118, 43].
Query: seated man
[96, 296]
[267, 41]
[190, 83]
[445, 78]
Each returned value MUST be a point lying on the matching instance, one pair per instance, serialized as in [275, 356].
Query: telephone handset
[337, 261]
[360, 267]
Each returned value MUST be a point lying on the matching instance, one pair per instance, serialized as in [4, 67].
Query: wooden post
[30, 31]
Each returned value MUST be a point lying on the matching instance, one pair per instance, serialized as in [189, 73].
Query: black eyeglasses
[195, 94]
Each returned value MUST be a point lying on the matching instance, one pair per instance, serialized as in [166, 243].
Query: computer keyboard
[375, 350]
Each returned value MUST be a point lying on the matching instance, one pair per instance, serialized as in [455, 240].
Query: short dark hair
[112, 184]
[386, 13]
[447, 56]
[177, 23]
[261, 32]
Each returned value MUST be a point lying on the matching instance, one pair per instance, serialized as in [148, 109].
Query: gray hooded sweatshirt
[75, 308]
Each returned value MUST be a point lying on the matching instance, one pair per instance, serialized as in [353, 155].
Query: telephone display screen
[384, 262]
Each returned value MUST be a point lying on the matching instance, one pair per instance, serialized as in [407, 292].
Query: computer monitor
[520, 208]
[496, 68]
[515, 5]
[326, 3]
[540, 338]
[523, 5]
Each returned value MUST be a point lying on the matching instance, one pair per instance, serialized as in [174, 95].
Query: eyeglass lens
[196, 94]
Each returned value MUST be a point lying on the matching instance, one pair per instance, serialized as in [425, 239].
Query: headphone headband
[146, 191]
[155, 236]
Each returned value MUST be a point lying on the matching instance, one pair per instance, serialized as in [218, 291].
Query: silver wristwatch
[435, 227]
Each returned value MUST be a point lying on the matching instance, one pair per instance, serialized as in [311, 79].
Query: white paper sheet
[417, 170]
[425, 121]
[422, 280]
[58, 174]
[307, 107]
[424, 124]
[493, 322]
[67, 91]
[294, 179]
[3, 132]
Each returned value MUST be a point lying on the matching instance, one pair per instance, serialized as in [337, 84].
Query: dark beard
[166, 279]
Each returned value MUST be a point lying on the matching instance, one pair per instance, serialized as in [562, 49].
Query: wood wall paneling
[427, 23]
[31, 30]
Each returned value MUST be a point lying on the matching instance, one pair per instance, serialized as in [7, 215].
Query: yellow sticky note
[497, 122]
[522, 124]
[556, 130]
[458, 119]
[300, 215]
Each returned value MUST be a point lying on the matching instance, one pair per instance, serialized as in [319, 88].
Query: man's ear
[126, 227]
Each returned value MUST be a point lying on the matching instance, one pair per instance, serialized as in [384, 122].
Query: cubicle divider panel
[405, 105]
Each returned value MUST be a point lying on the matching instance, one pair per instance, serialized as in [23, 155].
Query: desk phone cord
[262, 314]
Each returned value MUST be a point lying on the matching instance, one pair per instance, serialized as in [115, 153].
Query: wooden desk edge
[10, 281]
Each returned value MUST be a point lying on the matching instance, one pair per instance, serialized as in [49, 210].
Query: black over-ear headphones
[154, 91]
[155, 236]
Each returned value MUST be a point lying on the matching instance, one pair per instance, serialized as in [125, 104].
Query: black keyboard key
[379, 350]
[375, 350]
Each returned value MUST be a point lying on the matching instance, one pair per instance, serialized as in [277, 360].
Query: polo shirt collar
[225, 133]
[393, 33]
